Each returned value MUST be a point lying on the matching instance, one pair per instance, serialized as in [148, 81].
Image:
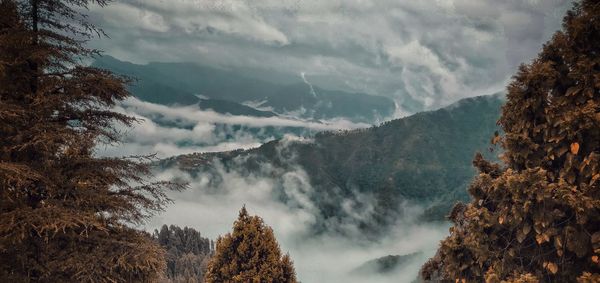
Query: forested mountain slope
[423, 159]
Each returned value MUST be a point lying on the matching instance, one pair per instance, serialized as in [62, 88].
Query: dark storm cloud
[424, 54]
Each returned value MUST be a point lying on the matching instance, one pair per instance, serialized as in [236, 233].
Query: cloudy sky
[424, 54]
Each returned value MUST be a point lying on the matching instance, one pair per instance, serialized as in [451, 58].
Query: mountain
[422, 159]
[228, 90]
[384, 264]
[232, 108]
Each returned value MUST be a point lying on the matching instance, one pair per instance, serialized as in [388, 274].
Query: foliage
[187, 253]
[538, 219]
[250, 254]
[64, 211]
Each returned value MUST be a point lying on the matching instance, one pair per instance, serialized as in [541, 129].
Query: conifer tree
[65, 212]
[249, 254]
[187, 253]
[537, 219]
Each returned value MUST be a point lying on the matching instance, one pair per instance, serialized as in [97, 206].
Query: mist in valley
[211, 202]
[323, 257]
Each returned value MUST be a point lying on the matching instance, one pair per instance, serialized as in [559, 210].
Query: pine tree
[538, 219]
[249, 254]
[187, 253]
[65, 212]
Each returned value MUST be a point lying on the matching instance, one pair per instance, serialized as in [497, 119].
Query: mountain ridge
[422, 159]
[183, 83]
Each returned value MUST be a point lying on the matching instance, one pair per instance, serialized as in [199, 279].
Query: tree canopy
[250, 254]
[66, 212]
[187, 253]
[537, 218]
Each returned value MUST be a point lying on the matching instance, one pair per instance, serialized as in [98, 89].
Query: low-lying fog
[212, 209]
[324, 258]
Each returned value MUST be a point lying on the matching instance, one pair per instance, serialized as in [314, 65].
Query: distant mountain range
[383, 265]
[229, 91]
[421, 159]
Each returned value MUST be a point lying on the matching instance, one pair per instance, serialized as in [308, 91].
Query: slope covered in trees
[65, 213]
[536, 217]
[383, 265]
[424, 159]
[250, 254]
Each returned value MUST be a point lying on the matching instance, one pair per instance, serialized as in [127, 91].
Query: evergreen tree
[250, 254]
[65, 212]
[187, 253]
[538, 219]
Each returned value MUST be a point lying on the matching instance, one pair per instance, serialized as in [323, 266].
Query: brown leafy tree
[65, 212]
[249, 254]
[538, 219]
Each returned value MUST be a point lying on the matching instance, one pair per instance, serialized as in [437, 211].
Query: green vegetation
[424, 158]
[187, 255]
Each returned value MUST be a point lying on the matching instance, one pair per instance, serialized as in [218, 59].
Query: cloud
[192, 18]
[212, 202]
[424, 54]
[133, 17]
[196, 115]
[282, 195]
[168, 131]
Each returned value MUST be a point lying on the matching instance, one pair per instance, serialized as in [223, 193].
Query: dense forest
[424, 158]
[249, 254]
[187, 255]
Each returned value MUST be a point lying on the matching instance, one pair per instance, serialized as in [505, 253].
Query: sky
[424, 54]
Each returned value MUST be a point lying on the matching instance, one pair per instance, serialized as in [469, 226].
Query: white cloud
[122, 14]
[456, 48]
[196, 115]
[211, 207]
[195, 17]
[189, 129]
[214, 198]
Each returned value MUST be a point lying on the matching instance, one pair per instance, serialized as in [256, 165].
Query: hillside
[227, 90]
[423, 159]
[386, 264]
